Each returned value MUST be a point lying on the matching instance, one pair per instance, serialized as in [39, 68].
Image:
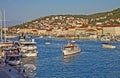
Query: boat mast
[1, 24]
[4, 22]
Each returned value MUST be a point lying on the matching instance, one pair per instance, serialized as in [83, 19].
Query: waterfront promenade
[6, 71]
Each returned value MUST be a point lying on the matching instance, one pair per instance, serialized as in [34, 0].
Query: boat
[73, 41]
[47, 43]
[108, 46]
[12, 56]
[105, 39]
[117, 38]
[10, 36]
[70, 48]
[41, 36]
[27, 53]
[28, 47]
[4, 43]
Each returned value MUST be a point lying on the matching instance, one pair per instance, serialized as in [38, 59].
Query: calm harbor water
[93, 61]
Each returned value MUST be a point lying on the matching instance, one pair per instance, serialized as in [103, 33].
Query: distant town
[72, 26]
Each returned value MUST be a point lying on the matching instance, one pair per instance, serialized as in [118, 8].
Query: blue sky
[19, 11]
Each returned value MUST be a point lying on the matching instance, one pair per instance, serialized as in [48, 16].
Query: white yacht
[28, 47]
[70, 48]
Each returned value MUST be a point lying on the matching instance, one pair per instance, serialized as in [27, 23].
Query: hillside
[111, 17]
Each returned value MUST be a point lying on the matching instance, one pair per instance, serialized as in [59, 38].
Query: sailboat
[3, 42]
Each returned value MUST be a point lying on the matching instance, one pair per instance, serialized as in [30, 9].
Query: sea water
[92, 62]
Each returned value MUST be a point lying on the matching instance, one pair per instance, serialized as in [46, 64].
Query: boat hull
[29, 54]
[14, 63]
[108, 46]
[66, 52]
[28, 48]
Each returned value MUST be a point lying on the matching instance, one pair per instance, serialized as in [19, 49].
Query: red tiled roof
[99, 28]
[91, 30]
[111, 25]
[85, 26]
[71, 27]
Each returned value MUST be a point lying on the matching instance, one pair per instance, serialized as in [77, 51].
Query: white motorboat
[71, 48]
[105, 39]
[28, 47]
[109, 46]
[29, 53]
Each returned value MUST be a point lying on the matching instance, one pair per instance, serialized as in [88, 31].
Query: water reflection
[68, 58]
[29, 65]
[29, 60]
[30, 70]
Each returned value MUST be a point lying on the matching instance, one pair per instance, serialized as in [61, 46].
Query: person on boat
[70, 44]
[16, 51]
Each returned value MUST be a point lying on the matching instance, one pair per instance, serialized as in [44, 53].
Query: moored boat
[10, 36]
[12, 56]
[109, 46]
[105, 39]
[47, 43]
[28, 47]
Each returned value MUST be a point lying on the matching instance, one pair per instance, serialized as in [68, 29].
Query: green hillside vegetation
[115, 14]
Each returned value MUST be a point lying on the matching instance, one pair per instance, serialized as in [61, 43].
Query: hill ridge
[109, 16]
